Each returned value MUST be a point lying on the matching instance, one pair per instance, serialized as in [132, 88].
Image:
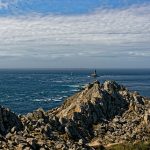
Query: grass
[138, 146]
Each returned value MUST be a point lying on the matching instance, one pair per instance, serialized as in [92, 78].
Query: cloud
[3, 5]
[103, 33]
[7, 4]
[139, 54]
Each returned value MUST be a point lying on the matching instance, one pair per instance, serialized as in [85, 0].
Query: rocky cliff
[101, 115]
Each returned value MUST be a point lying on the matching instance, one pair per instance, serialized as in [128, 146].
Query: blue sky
[74, 33]
[66, 7]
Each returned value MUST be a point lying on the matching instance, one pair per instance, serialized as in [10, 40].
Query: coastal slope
[97, 117]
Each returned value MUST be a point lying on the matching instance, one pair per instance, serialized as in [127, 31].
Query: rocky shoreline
[98, 117]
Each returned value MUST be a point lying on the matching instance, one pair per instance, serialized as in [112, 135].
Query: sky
[74, 33]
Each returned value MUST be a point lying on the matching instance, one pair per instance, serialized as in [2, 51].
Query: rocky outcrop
[98, 116]
[108, 112]
[8, 121]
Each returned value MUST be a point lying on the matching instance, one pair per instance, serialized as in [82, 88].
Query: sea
[25, 90]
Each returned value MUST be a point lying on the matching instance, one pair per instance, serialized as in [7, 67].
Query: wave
[65, 96]
[42, 100]
[60, 97]
[64, 91]
[57, 81]
[55, 99]
[74, 86]
[75, 90]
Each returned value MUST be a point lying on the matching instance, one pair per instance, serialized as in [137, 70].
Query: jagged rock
[104, 104]
[32, 142]
[8, 120]
[147, 118]
[111, 86]
[99, 115]
[72, 131]
[8, 135]
[47, 130]
[80, 142]
[13, 130]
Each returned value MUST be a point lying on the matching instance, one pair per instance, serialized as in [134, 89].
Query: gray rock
[147, 118]
[32, 142]
[59, 146]
[47, 130]
[8, 135]
[80, 142]
[116, 120]
[13, 130]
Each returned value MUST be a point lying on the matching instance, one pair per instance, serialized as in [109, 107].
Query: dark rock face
[8, 120]
[99, 115]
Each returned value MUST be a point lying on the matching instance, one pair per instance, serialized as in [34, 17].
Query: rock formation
[8, 120]
[99, 116]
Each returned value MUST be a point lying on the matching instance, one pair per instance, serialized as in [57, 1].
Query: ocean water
[26, 90]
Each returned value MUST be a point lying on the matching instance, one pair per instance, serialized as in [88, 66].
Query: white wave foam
[65, 96]
[74, 86]
[42, 100]
[64, 91]
[37, 100]
[60, 97]
[56, 99]
[75, 90]
[57, 81]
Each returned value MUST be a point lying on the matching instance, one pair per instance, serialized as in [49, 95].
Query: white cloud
[139, 54]
[111, 33]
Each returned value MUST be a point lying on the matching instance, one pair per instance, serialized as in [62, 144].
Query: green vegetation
[138, 146]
